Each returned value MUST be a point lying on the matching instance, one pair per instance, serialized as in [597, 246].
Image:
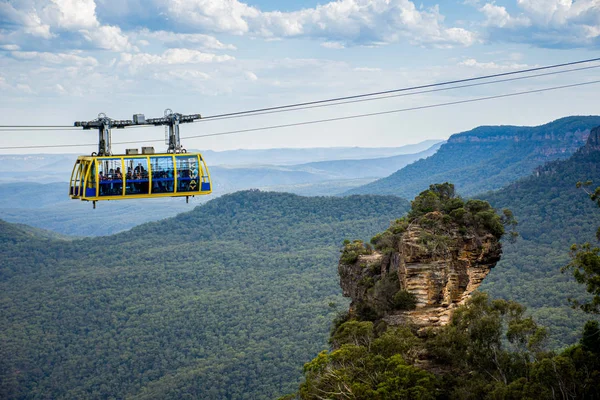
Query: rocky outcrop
[593, 141]
[439, 269]
[592, 146]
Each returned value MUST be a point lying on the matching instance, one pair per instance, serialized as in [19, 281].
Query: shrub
[404, 300]
[364, 312]
[352, 251]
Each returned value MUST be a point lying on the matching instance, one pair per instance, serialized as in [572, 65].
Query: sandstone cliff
[425, 266]
[487, 158]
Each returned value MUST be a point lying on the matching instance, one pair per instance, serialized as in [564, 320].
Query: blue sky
[67, 60]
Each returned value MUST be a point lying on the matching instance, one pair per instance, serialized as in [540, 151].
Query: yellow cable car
[104, 176]
[143, 176]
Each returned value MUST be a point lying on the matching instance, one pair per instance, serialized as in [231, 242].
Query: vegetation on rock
[442, 249]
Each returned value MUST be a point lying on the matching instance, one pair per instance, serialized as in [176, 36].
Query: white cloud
[187, 74]
[173, 39]
[60, 89]
[170, 57]
[27, 18]
[24, 88]
[471, 62]
[333, 45]
[108, 38]
[55, 58]
[10, 47]
[367, 69]
[497, 16]
[49, 19]
[348, 21]
[72, 14]
[561, 12]
[251, 76]
[187, 56]
[546, 23]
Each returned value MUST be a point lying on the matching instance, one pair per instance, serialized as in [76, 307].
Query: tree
[585, 262]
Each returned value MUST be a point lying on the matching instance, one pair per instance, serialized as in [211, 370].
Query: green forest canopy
[226, 301]
[553, 214]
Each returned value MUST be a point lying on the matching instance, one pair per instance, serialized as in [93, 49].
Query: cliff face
[593, 141]
[590, 149]
[438, 269]
[541, 143]
[487, 158]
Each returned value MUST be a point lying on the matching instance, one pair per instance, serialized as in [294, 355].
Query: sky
[68, 60]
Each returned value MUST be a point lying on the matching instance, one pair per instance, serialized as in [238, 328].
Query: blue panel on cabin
[90, 192]
[205, 187]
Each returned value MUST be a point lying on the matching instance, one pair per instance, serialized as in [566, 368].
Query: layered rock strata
[441, 274]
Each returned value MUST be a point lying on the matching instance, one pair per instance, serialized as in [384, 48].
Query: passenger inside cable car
[101, 178]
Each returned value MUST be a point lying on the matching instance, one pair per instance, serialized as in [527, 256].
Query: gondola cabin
[121, 177]
[104, 176]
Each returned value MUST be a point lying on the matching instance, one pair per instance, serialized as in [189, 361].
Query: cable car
[107, 176]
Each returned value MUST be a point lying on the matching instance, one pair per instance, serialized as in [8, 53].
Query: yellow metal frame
[83, 167]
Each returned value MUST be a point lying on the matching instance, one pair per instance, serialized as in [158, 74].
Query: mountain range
[487, 158]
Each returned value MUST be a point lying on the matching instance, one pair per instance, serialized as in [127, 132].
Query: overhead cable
[396, 95]
[364, 95]
[522, 71]
[347, 117]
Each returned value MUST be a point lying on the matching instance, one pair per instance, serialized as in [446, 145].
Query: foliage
[585, 263]
[479, 333]
[353, 332]
[589, 339]
[226, 301]
[355, 372]
[553, 214]
[404, 300]
[490, 350]
[439, 211]
[351, 251]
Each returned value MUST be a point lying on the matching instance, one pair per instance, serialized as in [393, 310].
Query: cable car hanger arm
[105, 124]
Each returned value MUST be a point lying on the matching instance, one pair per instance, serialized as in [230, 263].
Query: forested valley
[226, 301]
[553, 214]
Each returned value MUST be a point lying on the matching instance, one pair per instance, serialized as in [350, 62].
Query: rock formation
[434, 258]
[593, 141]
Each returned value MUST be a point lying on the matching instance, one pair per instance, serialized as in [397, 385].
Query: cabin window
[162, 174]
[137, 176]
[187, 174]
[90, 185]
[110, 177]
[75, 179]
